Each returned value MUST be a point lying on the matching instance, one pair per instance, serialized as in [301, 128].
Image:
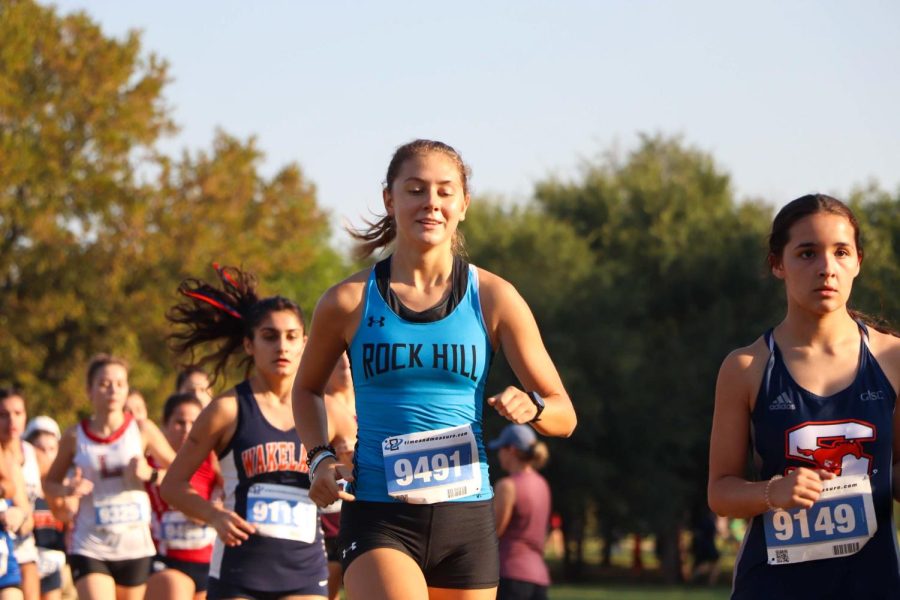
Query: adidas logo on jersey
[783, 402]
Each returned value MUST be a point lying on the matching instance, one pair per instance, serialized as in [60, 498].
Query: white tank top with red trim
[113, 521]
[25, 548]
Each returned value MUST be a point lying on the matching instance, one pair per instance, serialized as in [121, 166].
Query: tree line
[643, 271]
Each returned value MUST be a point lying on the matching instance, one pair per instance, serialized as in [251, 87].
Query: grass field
[637, 592]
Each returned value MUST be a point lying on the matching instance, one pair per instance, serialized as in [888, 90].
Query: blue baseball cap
[521, 437]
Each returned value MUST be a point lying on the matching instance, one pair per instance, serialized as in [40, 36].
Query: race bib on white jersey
[121, 511]
[432, 466]
[50, 561]
[282, 511]
[180, 533]
[4, 557]
[838, 524]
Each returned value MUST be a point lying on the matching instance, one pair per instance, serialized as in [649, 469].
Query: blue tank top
[266, 483]
[416, 377]
[848, 433]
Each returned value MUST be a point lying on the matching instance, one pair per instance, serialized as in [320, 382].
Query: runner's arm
[7, 481]
[20, 501]
[326, 342]
[729, 492]
[58, 494]
[205, 437]
[514, 327]
[156, 444]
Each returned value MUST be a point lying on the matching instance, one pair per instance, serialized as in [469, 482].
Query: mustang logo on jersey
[835, 446]
[271, 457]
[831, 452]
[461, 359]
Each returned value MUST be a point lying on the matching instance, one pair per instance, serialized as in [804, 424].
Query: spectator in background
[705, 554]
[522, 511]
[556, 542]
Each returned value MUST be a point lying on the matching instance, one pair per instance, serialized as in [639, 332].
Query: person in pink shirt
[522, 513]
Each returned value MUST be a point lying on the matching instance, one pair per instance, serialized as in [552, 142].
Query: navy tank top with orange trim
[266, 483]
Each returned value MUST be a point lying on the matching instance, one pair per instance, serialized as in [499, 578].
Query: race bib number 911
[282, 511]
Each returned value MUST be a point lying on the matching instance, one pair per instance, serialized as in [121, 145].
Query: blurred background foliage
[643, 271]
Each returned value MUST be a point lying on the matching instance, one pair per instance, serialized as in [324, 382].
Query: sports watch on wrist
[538, 403]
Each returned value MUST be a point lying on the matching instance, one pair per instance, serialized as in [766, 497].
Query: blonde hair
[536, 456]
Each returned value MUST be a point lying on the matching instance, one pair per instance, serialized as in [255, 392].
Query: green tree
[97, 229]
[875, 290]
[681, 281]
[644, 273]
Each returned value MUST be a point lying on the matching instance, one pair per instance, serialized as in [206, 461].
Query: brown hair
[805, 206]
[98, 361]
[802, 207]
[185, 373]
[380, 233]
[9, 392]
[225, 315]
[176, 400]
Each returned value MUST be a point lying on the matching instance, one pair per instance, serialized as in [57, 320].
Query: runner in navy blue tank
[269, 538]
[421, 329]
[815, 397]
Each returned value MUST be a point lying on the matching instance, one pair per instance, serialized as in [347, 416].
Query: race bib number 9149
[838, 524]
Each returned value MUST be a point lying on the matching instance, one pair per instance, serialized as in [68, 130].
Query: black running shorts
[128, 573]
[454, 543]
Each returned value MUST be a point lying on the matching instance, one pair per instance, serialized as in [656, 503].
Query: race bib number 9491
[432, 466]
[838, 524]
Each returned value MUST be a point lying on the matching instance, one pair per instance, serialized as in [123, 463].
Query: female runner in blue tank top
[421, 328]
[269, 541]
[815, 396]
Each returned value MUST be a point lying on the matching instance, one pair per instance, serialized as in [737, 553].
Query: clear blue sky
[789, 97]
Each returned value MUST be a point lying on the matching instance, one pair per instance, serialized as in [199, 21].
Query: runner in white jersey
[111, 548]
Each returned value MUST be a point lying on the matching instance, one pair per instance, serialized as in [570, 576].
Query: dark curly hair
[223, 316]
